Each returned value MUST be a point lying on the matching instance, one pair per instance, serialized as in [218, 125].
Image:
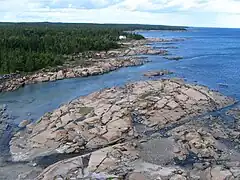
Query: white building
[122, 37]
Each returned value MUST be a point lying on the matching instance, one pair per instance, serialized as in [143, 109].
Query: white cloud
[223, 6]
[224, 13]
[185, 5]
[219, 6]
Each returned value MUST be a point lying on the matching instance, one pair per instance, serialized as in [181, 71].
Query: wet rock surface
[145, 130]
[174, 58]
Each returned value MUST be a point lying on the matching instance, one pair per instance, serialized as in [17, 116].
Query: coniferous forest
[27, 47]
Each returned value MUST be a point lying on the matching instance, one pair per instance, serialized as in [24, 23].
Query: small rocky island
[145, 130]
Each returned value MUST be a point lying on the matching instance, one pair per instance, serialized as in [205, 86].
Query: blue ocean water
[211, 57]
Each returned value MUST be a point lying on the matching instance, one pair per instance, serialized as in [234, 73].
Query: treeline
[125, 27]
[28, 47]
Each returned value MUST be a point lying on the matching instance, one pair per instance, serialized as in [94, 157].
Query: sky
[201, 13]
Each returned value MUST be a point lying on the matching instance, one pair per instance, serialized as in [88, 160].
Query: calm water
[211, 57]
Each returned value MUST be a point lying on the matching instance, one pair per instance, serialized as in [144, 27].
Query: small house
[122, 37]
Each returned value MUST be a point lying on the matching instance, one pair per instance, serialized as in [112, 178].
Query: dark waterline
[211, 57]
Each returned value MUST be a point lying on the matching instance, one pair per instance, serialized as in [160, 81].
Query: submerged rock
[175, 58]
[157, 73]
[24, 123]
[222, 85]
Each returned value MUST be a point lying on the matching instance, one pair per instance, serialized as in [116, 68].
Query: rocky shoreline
[158, 129]
[145, 130]
[99, 68]
[97, 63]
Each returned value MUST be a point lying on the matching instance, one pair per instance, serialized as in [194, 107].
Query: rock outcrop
[107, 117]
[187, 151]
[155, 158]
[115, 162]
[145, 130]
[144, 50]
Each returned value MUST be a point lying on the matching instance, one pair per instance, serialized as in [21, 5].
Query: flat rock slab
[158, 151]
[108, 116]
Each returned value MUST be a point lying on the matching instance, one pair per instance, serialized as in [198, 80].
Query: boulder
[60, 75]
[70, 74]
[53, 77]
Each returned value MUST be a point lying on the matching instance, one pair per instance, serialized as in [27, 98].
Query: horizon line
[59, 22]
